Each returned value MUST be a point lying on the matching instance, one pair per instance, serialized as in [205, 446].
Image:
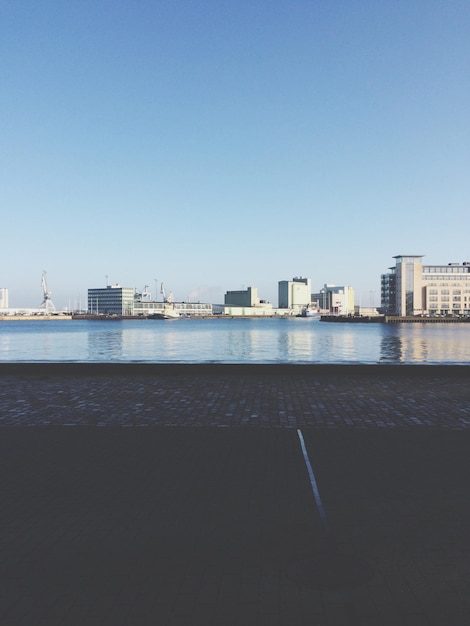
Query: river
[295, 340]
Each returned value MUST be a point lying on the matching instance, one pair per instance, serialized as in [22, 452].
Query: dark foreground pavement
[181, 496]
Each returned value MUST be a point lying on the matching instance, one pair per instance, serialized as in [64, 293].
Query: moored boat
[168, 311]
[307, 311]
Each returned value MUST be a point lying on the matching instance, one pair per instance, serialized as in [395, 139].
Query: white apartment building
[412, 288]
[294, 294]
[3, 298]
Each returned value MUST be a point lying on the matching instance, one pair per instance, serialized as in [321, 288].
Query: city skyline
[213, 146]
[156, 294]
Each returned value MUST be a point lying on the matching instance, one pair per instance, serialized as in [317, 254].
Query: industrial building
[294, 297]
[294, 294]
[336, 300]
[246, 297]
[244, 302]
[411, 288]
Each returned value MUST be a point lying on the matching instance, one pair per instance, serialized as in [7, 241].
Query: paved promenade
[182, 495]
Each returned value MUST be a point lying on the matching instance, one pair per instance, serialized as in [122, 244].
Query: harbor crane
[47, 303]
[144, 294]
[166, 298]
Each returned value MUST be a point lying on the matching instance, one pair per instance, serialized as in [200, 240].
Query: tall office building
[408, 278]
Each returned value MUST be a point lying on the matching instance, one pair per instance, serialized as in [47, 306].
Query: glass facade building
[111, 300]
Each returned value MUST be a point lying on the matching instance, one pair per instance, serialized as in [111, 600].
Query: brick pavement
[223, 395]
[142, 521]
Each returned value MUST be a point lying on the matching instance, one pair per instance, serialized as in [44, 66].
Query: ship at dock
[168, 311]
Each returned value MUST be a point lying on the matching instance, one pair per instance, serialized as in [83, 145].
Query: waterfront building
[388, 295]
[412, 288]
[337, 300]
[111, 300]
[294, 294]
[117, 300]
[365, 311]
[246, 297]
[262, 310]
[186, 309]
[3, 298]
[244, 302]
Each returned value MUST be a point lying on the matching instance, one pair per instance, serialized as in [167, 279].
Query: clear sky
[215, 145]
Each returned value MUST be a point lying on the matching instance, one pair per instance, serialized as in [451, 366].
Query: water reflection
[391, 348]
[244, 341]
[239, 345]
[425, 343]
[170, 343]
[105, 344]
[283, 346]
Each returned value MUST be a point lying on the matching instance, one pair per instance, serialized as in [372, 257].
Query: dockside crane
[143, 295]
[166, 298]
[47, 303]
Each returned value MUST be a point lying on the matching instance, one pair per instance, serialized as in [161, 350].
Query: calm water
[234, 341]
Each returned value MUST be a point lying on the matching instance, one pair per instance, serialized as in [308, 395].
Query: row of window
[456, 292]
[445, 269]
[434, 277]
[446, 298]
[447, 285]
[434, 307]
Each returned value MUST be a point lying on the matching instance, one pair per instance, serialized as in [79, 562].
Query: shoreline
[338, 319]
[58, 368]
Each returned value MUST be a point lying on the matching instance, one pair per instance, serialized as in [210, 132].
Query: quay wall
[416, 319]
[238, 370]
[33, 318]
[393, 319]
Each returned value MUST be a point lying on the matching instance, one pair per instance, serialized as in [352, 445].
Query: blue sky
[214, 145]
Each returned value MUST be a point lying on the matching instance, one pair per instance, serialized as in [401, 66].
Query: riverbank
[350, 319]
